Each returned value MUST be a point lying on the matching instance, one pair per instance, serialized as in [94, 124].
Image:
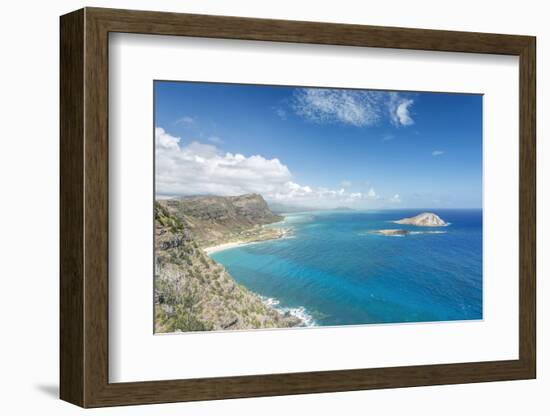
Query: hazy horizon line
[302, 208]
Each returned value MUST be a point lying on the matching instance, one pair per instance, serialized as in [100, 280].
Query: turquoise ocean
[332, 270]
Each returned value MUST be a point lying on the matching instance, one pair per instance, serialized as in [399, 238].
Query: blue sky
[319, 147]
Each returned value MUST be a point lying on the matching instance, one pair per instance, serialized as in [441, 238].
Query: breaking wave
[300, 312]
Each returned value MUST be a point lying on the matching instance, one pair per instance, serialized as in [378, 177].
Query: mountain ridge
[217, 219]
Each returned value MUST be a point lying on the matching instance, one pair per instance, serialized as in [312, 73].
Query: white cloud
[395, 199]
[290, 191]
[165, 142]
[185, 120]
[437, 152]
[345, 184]
[371, 194]
[353, 107]
[199, 169]
[399, 110]
[215, 139]
[402, 113]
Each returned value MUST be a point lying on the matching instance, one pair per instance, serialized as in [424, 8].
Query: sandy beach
[225, 246]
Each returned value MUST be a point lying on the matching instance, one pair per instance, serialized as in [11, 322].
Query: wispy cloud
[185, 120]
[356, 108]
[371, 194]
[399, 110]
[281, 113]
[215, 139]
[345, 184]
[437, 152]
[352, 107]
[396, 199]
[388, 137]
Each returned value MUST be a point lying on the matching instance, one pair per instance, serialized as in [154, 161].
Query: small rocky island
[425, 219]
[392, 233]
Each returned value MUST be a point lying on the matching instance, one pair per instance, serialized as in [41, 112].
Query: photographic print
[293, 207]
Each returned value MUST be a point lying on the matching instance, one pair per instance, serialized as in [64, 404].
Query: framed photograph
[257, 207]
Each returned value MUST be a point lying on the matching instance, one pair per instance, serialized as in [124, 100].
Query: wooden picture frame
[84, 207]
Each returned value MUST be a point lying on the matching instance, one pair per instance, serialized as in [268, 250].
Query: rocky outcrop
[425, 219]
[391, 232]
[194, 293]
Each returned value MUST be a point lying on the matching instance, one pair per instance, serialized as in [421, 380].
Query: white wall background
[29, 84]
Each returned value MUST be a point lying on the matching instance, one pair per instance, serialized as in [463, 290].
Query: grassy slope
[194, 293]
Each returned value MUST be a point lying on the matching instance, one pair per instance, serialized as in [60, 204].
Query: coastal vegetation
[192, 291]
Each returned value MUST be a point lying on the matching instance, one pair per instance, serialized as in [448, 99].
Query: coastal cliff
[192, 291]
[217, 220]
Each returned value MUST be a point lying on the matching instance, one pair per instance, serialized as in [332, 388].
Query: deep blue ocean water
[333, 271]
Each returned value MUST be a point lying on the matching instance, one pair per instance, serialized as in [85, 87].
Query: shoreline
[284, 232]
[227, 246]
[299, 312]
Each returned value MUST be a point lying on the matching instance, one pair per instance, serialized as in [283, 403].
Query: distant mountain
[425, 219]
[280, 208]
